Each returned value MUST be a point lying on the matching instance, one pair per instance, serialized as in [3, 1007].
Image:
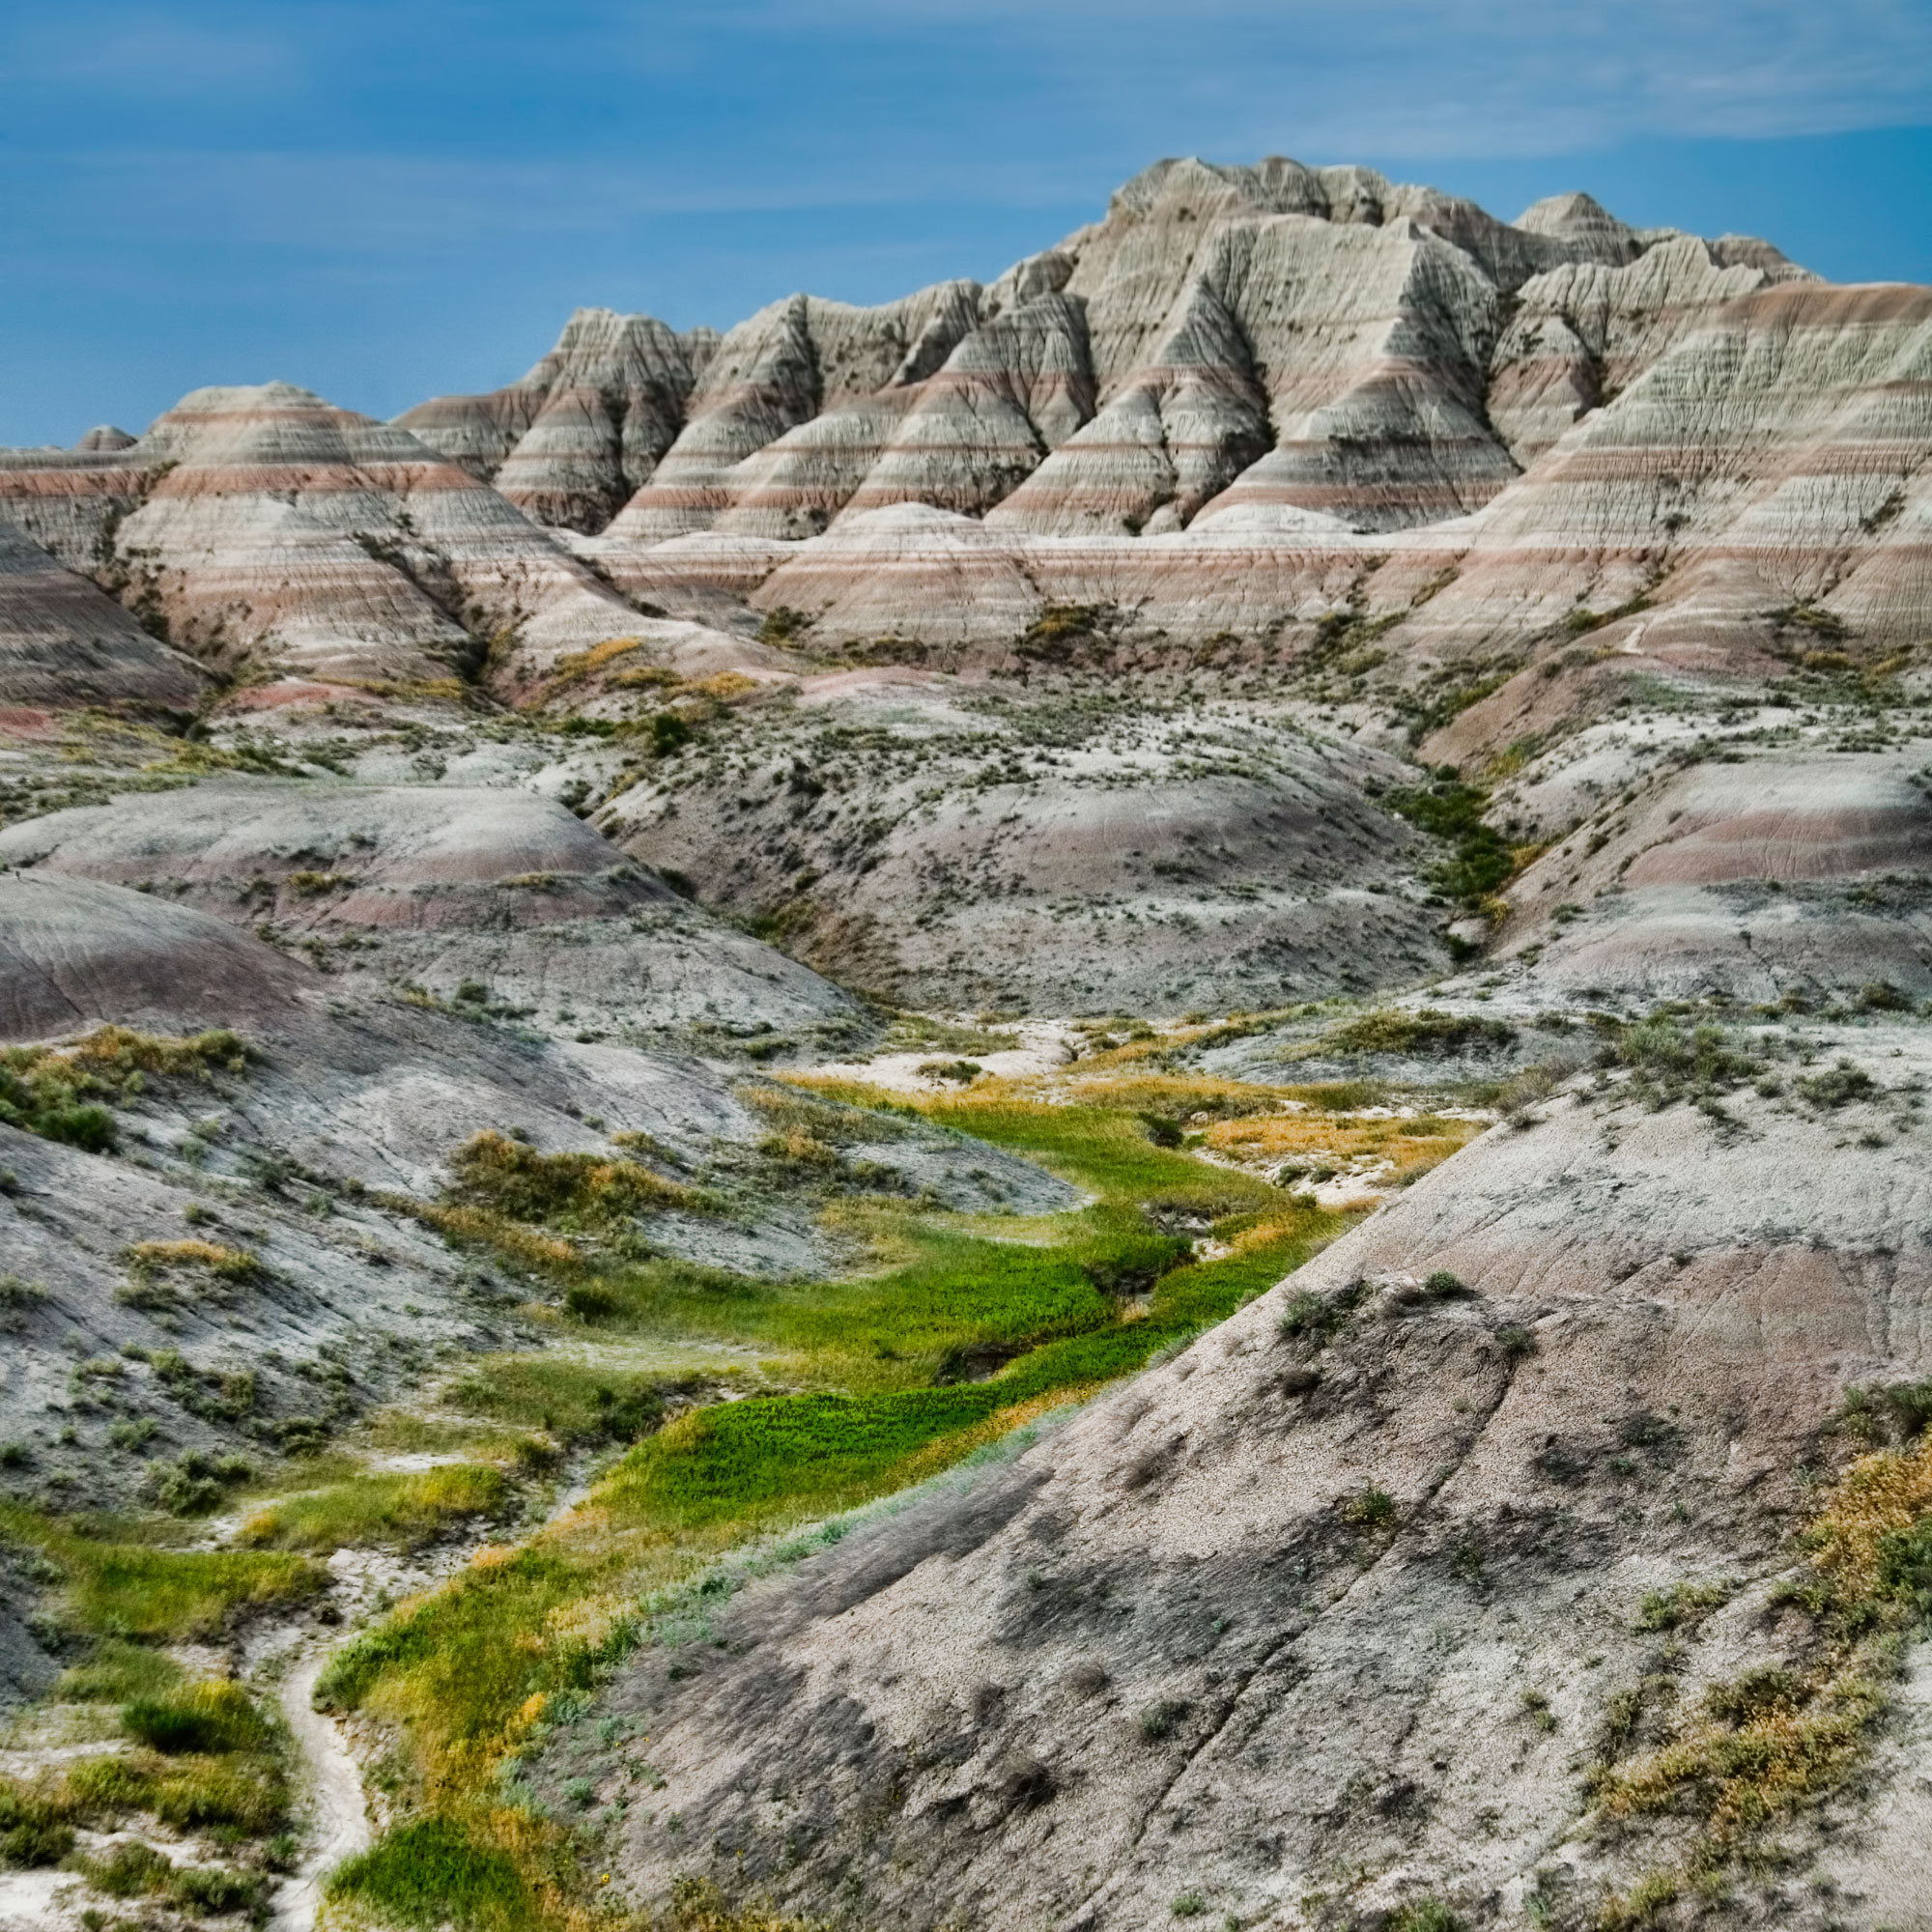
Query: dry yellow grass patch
[1878, 1497]
[509, 1238]
[724, 687]
[1769, 1741]
[230, 1264]
[1412, 1147]
[574, 666]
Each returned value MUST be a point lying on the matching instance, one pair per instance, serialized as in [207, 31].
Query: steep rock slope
[1332, 326]
[63, 642]
[800, 359]
[264, 531]
[577, 436]
[1304, 370]
[1775, 459]
[1331, 1614]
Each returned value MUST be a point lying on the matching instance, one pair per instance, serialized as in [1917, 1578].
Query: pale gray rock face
[439, 887]
[361, 1089]
[571, 442]
[1582, 334]
[1152, 1659]
[1783, 873]
[1773, 457]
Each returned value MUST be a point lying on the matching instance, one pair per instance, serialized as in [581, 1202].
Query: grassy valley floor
[547, 1506]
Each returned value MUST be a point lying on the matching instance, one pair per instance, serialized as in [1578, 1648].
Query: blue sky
[387, 198]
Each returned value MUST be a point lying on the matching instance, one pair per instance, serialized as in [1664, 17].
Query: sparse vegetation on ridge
[66, 1093]
[1756, 1747]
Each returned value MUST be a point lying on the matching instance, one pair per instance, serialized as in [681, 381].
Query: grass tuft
[390, 1510]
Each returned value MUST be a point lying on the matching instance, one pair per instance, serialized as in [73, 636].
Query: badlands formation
[1088, 1101]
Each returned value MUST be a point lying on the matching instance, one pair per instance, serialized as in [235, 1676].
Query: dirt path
[337, 1822]
[338, 1818]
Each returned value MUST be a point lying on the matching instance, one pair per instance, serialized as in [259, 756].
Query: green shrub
[58, 1092]
[1315, 1320]
[135, 1591]
[1370, 1508]
[1684, 1605]
[129, 1870]
[590, 1301]
[1162, 1719]
[35, 1824]
[196, 1482]
[1670, 1061]
[1909, 1405]
[961, 1073]
[669, 734]
[216, 1891]
[1479, 860]
[1426, 1914]
[191, 1792]
[1838, 1087]
[1425, 1035]
[571, 1401]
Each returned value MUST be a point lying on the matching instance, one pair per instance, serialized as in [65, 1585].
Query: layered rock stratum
[1300, 632]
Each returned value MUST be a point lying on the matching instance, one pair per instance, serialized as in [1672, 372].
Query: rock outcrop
[63, 642]
[264, 531]
[1326, 337]
[573, 439]
[1243, 396]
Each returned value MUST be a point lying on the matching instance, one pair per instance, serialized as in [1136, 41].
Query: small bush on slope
[58, 1091]
[1758, 1748]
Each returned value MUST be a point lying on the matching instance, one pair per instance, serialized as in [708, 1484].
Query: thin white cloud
[1450, 77]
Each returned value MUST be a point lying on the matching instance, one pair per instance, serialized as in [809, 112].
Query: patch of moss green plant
[139, 1591]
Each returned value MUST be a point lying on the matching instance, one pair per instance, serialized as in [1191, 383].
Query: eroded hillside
[1089, 1102]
